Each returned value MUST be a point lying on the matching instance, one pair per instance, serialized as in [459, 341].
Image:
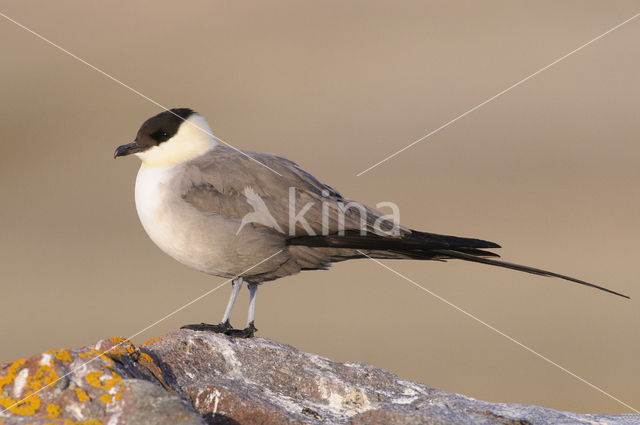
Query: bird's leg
[236, 286]
[224, 325]
[250, 329]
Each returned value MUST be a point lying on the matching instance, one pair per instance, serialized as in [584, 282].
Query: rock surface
[189, 377]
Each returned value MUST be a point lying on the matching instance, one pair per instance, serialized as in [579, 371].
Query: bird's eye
[160, 136]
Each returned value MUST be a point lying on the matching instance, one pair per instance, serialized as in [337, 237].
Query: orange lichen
[82, 396]
[54, 411]
[98, 380]
[124, 348]
[106, 398]
[44, 376]
[93, 353]
[27, 406]
[31, 403]
[62, 354]
[11, 373]
[93, 378]
[145, 358]
[147, 361]
[152, 341]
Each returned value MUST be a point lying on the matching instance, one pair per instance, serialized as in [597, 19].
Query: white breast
[203, 240]
[153, 196]
[152, 184]
[190, 236]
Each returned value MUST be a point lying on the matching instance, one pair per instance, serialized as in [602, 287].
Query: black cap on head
[156, 130]
[161, 127]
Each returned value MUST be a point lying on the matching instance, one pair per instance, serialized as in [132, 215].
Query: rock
[200, 378]
[111, 382]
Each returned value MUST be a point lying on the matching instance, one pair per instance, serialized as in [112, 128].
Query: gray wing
[229, 183]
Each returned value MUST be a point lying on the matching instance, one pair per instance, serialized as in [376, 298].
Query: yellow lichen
[109, 383]
[124, 347]
[97, 380]
[106, 398]
[89, 353]
[26, 406]
[153, 341]
[43, 376]
[70, 422]
[54, 411]
[93, 353]
[144, 357]
[93, 378]
[11, 373]
[82, 396]
[62, 354]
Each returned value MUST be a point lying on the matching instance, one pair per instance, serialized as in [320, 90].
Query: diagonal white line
[480, 105]
[531, 350]
[140, 331]
[114, 79]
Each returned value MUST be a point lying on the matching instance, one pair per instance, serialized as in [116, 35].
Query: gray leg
[236, 286]
[224, 325]
[253, 290]
[250, 329]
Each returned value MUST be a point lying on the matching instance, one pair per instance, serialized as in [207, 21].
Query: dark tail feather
[415, 241]
[467, 257]
[428, 246]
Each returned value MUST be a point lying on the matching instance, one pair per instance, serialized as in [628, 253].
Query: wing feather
[217, 182]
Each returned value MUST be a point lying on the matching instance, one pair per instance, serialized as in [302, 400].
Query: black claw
[205, 327]
[247, 332]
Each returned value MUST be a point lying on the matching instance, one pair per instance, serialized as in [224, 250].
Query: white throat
[194, 138]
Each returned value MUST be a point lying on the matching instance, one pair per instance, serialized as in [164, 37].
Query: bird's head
[170, 137]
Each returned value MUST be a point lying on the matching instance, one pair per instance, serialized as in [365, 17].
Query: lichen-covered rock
[111, 380]
[201, 378]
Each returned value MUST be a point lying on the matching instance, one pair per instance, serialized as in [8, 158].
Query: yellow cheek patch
[192, 139]
[172, 152]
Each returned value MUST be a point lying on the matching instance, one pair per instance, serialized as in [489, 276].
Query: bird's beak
[127, 149]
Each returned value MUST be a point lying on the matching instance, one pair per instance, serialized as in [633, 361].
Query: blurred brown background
[549, 170]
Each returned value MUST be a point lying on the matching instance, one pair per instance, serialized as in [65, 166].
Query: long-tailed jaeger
[257, 217]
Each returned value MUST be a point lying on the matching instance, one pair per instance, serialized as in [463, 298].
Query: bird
[237, 214]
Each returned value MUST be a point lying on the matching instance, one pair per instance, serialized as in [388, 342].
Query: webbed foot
[220, 328]
[247, 332]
